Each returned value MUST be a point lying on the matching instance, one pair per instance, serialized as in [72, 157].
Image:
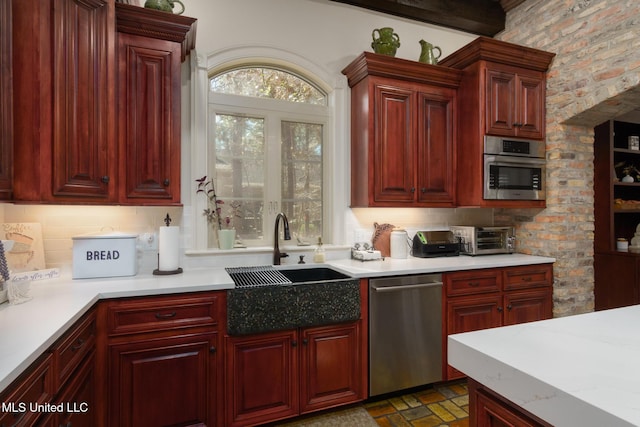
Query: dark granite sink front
[317, 296]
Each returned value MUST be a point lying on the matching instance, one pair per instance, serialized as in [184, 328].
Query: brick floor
[440, 405]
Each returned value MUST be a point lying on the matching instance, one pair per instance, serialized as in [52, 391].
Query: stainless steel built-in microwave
[514, 169]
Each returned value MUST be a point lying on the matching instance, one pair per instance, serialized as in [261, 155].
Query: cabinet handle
[500, 309]
[423, 190]
[78, 346]
[105, 179]
[527, 279]
[509, 307]
[474, 284]
[294, 343]
[413, 189]
[305, 341]
[166, 182]
[165, 316]
[212, 349]
[518, 125]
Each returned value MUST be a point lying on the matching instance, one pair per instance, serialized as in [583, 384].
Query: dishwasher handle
[405, 287]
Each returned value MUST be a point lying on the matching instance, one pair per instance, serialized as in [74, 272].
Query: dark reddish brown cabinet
[617, 215]
[403, 116]
[96, 102]
[151, 45]
[488, 409]
[162, 359]
[64, 117]
[6, 100]
[502, 93]
[488, 298]
[283, 374]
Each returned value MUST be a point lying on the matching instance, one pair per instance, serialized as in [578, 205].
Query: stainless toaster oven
[485, 240]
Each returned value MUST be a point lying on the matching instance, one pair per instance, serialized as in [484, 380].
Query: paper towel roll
[169, 248]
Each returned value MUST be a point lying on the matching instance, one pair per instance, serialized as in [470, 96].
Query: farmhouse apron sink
[266, 299]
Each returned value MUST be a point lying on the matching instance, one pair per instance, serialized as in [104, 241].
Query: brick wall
[594, 77]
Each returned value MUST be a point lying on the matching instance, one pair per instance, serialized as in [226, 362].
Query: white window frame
[335, 155]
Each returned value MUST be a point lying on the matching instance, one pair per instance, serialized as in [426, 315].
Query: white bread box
[104, 255]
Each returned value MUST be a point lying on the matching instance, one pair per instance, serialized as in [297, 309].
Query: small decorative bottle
[318, 255]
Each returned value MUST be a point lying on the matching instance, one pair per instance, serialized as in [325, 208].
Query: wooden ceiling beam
[482, 17]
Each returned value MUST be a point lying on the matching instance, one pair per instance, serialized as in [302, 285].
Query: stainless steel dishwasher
[405, 332]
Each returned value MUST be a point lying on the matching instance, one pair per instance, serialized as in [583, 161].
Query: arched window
[267, 135]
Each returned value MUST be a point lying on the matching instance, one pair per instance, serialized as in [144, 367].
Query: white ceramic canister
[399, 243]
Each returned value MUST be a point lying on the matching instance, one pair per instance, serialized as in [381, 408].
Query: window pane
[267, 83]
[302, 178]
[239, 150]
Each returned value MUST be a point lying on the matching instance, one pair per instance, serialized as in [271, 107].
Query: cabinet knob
[166, 182]
[509, 307]
[500, 309]
[78, 345]
[423, 190]
[413, 189]
[105, 179]
[305, 341]
[212, 349]
[294, 343]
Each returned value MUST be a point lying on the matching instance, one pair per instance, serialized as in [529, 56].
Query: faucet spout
[277, 255]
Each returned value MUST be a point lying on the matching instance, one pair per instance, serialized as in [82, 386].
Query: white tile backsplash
[61, 223]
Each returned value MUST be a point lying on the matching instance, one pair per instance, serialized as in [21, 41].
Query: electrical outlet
[148, 241]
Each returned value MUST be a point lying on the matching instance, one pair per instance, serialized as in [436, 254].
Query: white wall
[327, 34]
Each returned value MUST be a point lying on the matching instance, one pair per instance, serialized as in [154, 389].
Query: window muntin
[268, 156]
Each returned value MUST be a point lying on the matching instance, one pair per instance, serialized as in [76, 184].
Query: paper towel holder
[157, 271]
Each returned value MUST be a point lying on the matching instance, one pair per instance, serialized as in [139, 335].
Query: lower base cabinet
[163, 381]
[487, 409]
[279, 375]
[488, 298]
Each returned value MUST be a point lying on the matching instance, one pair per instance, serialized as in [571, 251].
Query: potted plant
[223, 224]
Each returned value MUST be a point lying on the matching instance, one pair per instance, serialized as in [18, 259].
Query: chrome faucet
[287, 236]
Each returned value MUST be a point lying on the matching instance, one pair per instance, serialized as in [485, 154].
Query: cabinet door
[82, 157]
[163, 381]
[501, 98]
[6, 101]
[493, 413]
[530, 104]
[78, 398]
[472, 313]
[394, 155]
[527, 306]
[331, 368]
[149, 119]
[435, 151]
[261, 378]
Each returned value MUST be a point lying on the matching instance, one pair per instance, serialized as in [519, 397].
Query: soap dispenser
[318, 255]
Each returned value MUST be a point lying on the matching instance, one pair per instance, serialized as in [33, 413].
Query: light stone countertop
[27, 330]
[572, 371]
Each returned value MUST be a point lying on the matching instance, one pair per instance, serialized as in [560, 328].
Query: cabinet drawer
[162, 313]
[73, 347]
[472, 282]
[34, 387]
[528, 276]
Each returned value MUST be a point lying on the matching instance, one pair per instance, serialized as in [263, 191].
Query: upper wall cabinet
[6, 102]
[502, 93]
[63, 110]
[403, 134]
[70, 138]
[151, 46]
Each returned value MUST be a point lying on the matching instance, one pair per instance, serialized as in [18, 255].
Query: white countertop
[27, 330]
[579, 370]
